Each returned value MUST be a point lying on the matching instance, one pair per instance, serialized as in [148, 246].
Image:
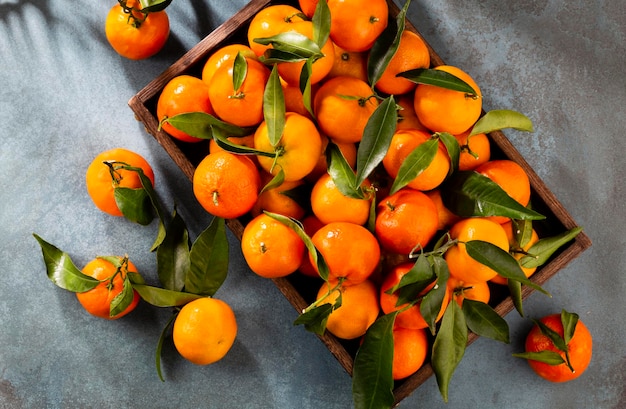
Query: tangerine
[356, 24]
[329, 204]
[410, 348]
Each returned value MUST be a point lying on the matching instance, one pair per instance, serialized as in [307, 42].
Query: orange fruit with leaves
[204, 330]
[511, 177]
[517, 251]
[271, 249]
[101, 178]
[270, 21]
[297, 151]
[133, 34]
[461, 265]
[348, 150]
[478, 291]
[280, 199]
[359, 308]
[445, 110]
[221, 56]
[406, 220]
[412, 53]
[329, 204]
[351, 252]
[356, 24]
[342, 106]
[475, 150]
[226, 185]
[182, 94]
[406, 141]
[98, 300]
[310, 224]
[242, 106]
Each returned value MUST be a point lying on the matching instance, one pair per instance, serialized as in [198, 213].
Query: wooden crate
[296, 288]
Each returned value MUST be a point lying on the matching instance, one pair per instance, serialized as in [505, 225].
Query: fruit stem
[132, 12]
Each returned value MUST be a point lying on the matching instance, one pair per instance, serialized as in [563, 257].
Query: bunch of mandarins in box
[357, 162]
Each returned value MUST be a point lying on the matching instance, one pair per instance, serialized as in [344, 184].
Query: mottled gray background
[63, 99]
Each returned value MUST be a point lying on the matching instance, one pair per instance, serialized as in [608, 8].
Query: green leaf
[305, 86]
[522, 232]
[500, 119]
[547, 357]
[277, 180]
[500, 261]
[431, 304]
[420, 276]
[274, 56]
[415, 163]
[453, 148]
[468, 193]
[274, 107]
[173, 255]
[342, 174]
[515, 288]
[208, 260]
[321, 23]
[438, 78]
[372, 382]
[376, 139]
[449, 347]
[152, 6]
[554, 336]
[318, 259]
[293, 43]
[386, 46]
[543, 249]
[240, 71]
[201, 125]
[62, 271]
[569, 321]
[134, 204]
[159, 347]
[485, 321]
[222, 141]
[314, 320]
[162, 297]
[123, 299]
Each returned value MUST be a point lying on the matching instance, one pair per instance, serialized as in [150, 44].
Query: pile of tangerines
[354, 162]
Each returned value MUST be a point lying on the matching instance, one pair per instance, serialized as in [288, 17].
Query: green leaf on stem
[515, 289]
[420, 276]
[274, 107]
[318, 259]
[415, 163]
[449, 347]
[201, 125]
[123, 299]
[468, 193]
[372, 382]
[159, 347]
[62, 271]
[569, 320]
[453, 148]
[305, 86]
[321, 23]
[173, 255]
[485, 321]
[376, 139]
[500, 119]
[342, 174]
[291, 42]
[547, 357]
[162, 297]
[500, 261]
[431, 304]
[240, 71]
[438, 78]
[224, 143]
[314, 319]
[208, 260]
[543, 249]
[134, 204]
[152, 6]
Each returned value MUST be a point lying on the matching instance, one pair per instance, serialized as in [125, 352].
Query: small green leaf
[305, 86]
[342, 174]
[321, 23]
[274, 107]
[134, 204]
[376, 139]
[208, 260]
[554, 336]
[386, 46]
[515, 289]
[159, 347]
[501, 119]
[420, 276]
[201, 125]
[62, 271]
[569, 321]
[224, 143]
[449, 347]
[543, 249]
[453, 148]
[152, 6]
[522, 232]
[240, 71]
[547, 357]
[161, 297]
[500, 261]
[468, 193]
[314, 320]
[431, 304]
[173, 255]
[277, 180]
[415, 163]
[372, 382]
[292, 42]
[123, 299]
[318, 259]
[485, 321]
[273, 56]
[438, 78]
